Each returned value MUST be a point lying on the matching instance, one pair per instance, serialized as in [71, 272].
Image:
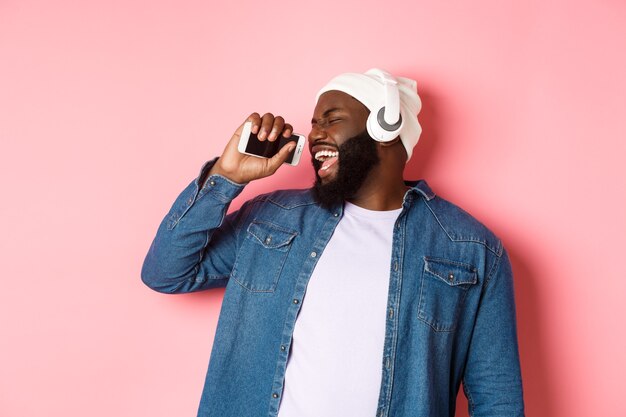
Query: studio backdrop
[108, 109]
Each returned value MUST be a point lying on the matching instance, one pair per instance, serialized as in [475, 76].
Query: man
[363, 296]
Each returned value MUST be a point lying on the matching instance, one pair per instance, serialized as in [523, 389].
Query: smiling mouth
[328, 159]
[325, 155]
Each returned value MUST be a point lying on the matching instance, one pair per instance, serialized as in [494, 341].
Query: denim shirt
[450, 310]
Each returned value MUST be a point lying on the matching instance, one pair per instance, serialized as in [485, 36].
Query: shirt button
[212, 182]
[313, 254]
[275, 395]
[268, 240]
[283, 348]
[450, 277]
[336, 214]
[296, 301]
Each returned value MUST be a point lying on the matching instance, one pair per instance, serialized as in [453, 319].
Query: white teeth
[323, 155]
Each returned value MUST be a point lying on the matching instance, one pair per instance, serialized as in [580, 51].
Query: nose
[316, 133]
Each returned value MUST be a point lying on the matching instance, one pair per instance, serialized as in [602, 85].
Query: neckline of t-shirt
[357, 211]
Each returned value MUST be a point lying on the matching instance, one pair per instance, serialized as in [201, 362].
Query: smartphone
[250, 144]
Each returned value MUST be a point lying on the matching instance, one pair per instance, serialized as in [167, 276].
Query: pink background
[109, 108]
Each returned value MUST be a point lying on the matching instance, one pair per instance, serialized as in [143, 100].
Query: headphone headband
[384, 124]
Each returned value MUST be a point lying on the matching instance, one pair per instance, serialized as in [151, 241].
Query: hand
[241, 168]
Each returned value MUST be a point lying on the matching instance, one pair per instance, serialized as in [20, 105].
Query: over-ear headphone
[384, 124]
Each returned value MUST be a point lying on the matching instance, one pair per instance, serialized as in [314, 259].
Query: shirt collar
[421, 187]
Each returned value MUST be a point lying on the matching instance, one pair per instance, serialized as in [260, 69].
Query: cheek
[340, 136]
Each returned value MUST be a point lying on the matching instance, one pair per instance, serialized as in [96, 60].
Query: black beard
[357, 157]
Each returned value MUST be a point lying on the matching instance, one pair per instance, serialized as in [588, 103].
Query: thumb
[277, 160]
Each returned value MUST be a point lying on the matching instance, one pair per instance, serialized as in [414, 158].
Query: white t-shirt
[335, 365]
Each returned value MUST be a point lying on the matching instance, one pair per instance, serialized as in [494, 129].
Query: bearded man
[366, 295]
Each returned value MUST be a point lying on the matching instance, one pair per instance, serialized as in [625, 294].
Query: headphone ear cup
[373, 128]
[376, 130]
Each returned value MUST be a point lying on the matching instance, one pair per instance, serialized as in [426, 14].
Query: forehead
[338, 101]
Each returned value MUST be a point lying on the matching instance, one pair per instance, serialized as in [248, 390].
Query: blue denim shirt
[450, 310]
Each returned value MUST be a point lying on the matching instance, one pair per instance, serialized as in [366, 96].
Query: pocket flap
[270, 235]
[451, 272]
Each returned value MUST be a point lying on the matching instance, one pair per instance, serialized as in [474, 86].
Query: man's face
[342, 151]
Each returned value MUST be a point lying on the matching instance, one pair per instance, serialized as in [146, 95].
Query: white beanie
[369, 89]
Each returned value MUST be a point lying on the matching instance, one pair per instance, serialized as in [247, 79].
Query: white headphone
[384, 124]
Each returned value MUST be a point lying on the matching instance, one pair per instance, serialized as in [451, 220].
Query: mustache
[361, 135]
[332, 145]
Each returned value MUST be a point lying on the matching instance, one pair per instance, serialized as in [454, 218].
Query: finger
[279, 124]
[255, 118]
[277, 160]
[266, 125]
[287, 130]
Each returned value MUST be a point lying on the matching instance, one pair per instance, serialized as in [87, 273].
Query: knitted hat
[369, 89]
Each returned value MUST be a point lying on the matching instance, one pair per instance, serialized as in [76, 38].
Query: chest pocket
[262, 255]
[444, 286]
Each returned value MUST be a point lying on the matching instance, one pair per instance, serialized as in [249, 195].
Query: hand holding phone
[250, 144]
[242, 168]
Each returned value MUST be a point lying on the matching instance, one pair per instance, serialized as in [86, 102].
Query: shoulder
[461, 226]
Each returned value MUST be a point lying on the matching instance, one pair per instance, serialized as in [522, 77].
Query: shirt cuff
[216, 185]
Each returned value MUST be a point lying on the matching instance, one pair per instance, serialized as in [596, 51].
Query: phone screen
[268, 149]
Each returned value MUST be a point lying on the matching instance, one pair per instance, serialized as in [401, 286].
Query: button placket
[392, 319]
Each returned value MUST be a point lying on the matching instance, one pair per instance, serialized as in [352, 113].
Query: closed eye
[323, 123]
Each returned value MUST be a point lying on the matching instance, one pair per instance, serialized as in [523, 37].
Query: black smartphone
[250, 144]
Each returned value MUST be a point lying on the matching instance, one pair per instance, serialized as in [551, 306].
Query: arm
[492, 381]
[196, 244]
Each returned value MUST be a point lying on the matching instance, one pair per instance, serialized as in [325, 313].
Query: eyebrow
[326, 113]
